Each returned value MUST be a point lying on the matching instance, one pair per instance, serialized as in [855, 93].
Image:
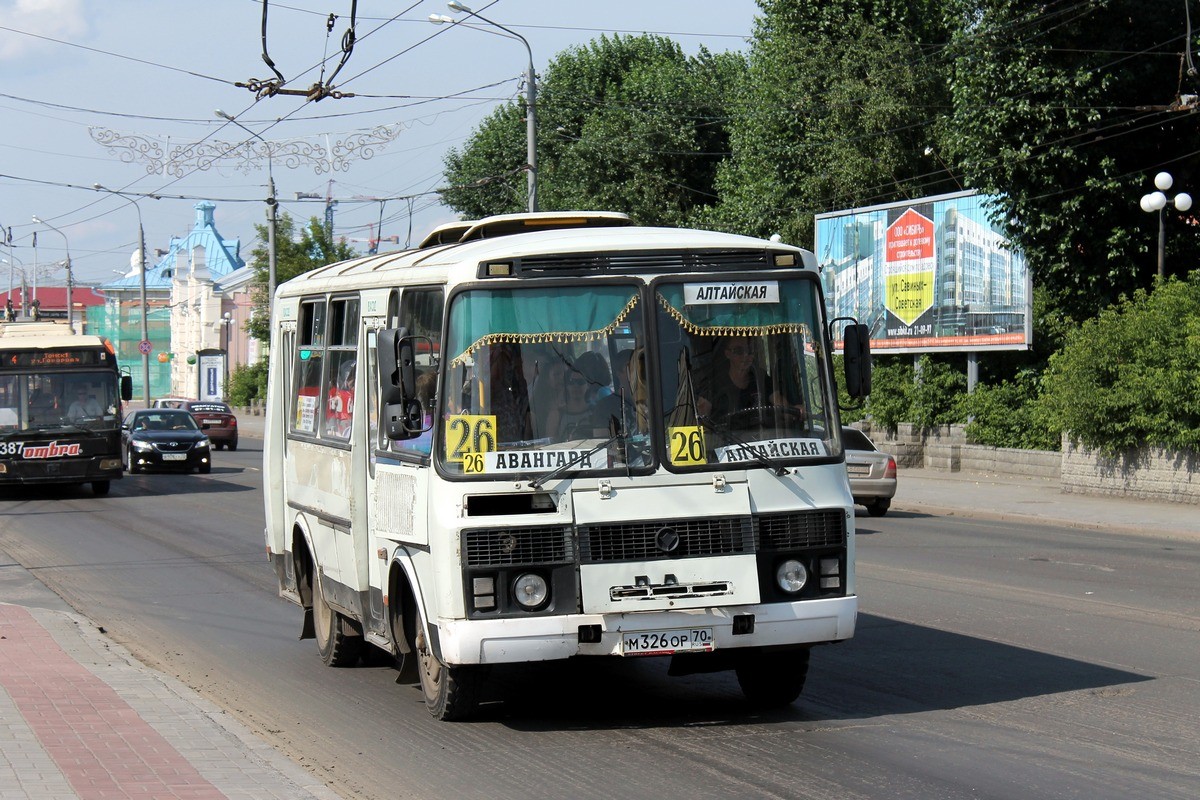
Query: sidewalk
[1036, 500]
[81, 718]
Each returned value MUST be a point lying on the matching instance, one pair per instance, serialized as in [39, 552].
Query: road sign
[144, 347]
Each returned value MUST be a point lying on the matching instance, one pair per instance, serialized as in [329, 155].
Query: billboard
[931, 274]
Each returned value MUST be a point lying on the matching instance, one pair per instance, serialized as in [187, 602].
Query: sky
[124, 93]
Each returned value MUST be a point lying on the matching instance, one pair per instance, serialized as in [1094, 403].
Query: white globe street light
[1157, 202]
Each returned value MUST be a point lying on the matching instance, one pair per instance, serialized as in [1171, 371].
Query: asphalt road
[992, 660]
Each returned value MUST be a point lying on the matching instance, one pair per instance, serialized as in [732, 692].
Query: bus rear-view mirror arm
[403, 416]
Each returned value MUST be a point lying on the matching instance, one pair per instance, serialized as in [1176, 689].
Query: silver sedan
[872, 473]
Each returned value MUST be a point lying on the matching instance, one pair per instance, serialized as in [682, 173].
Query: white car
[872, 473]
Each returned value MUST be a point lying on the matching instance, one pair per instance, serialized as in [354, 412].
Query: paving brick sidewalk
[80, 718]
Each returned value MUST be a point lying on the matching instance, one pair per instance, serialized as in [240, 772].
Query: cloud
[26, 20]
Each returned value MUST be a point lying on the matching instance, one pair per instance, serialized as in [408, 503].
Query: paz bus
[553, 435]
[60, 406]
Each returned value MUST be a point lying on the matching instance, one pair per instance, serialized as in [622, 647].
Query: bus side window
[421, 315]
[310, 354]
[341, 365]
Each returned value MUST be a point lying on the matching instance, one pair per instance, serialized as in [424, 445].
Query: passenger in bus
[340, 403]
[622, 401]
[427, 397]
[84, 406]
[579, 416]
[738, 383]
[548, 391]
[508, 393]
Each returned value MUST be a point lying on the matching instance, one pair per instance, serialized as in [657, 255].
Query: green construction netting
[123, 327]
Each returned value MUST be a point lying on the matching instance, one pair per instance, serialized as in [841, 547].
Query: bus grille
[492, 547]
[649, 261]
[795, 531]
[644, 541]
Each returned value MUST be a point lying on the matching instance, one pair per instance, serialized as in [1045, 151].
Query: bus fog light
[110, 463]
[791, 576]
[530, 590]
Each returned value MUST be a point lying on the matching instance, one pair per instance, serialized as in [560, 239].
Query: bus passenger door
[399, 471]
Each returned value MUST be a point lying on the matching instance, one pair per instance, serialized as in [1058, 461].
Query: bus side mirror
[856, 355]
[126, 387]
[401, 412]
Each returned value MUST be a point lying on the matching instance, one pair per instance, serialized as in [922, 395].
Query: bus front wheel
[100, 488]
[451, 693]
[772, 680]
[337, 648]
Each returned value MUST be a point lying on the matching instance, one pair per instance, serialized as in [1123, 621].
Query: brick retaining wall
[1150, 474]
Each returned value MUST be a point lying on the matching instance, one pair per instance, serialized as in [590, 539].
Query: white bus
[547, 435]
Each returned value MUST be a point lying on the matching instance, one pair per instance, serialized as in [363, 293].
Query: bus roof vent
[449, 233]
[508, 224]
[668, 261]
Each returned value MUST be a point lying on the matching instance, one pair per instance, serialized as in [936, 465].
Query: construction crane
[373, 242]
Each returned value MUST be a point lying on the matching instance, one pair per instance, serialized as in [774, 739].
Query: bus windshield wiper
[766, 461]
[617, 435]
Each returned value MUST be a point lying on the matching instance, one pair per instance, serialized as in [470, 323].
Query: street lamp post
[1157, 201]
[226, 323]
[271, 204]
[70, 280]
[142, 290]
[530, 94]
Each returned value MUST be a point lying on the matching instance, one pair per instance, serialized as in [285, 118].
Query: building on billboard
[931, 274]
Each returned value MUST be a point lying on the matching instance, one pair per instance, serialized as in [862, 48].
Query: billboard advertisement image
[931, 274]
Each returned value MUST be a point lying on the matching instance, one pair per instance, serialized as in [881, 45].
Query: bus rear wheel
[773, 680]
[337, 648]
[451, 693]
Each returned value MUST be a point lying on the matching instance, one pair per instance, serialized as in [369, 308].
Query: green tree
[835, 113]
[1061, 109]
[296, 252]
[626, 123]
[1131, 377]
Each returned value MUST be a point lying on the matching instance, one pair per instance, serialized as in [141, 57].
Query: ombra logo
[52, 450]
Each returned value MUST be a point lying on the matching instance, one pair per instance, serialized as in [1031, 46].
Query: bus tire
[337, 648]
[451, 693]
[100, 488]
[773, 680]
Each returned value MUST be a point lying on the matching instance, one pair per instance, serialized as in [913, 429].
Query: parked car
[214, 417]
[872, 473]
[164, 438]
[217, 420]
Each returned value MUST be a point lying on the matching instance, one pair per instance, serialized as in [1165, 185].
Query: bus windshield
[538, 380]
[743, 376]
[48, 401]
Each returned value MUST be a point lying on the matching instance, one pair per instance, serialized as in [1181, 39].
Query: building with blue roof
[198, 301]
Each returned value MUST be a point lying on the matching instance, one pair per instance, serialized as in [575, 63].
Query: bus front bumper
[512, 640]
[75, 470]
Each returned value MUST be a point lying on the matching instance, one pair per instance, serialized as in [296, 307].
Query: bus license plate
[174, 456]
[665, 643]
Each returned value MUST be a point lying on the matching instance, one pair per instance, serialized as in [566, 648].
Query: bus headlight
[530, 590]
[791, 576]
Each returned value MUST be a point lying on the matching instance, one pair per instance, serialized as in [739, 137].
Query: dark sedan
[164, 438]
